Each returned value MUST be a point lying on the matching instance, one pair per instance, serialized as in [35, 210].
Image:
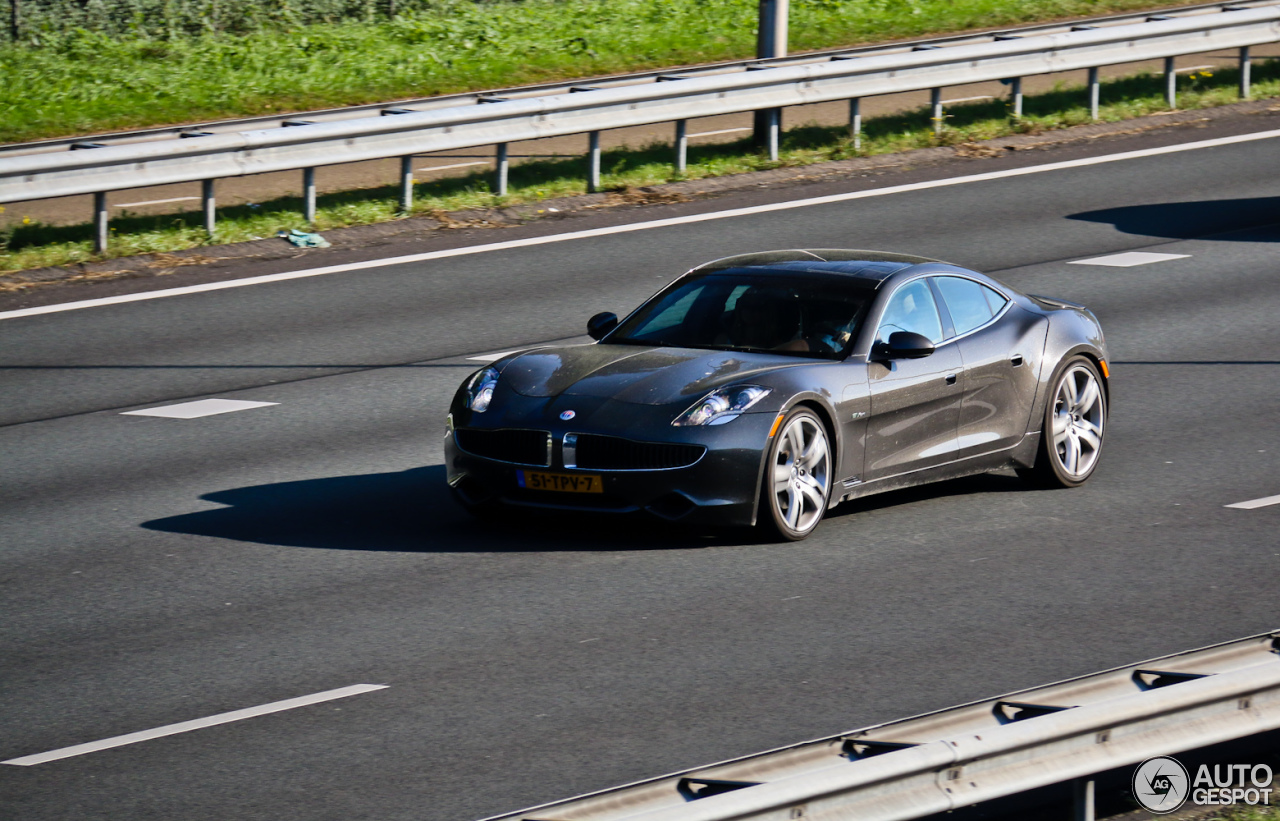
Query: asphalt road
[159, 570]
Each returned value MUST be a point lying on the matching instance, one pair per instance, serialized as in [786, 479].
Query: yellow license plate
[562, 482]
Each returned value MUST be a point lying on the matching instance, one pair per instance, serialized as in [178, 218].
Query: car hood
[642, 376]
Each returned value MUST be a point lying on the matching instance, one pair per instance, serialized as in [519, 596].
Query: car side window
[911, 308]
[970, 303]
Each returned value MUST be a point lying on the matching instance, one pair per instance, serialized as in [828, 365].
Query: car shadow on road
[408, 510]
[1237, 220]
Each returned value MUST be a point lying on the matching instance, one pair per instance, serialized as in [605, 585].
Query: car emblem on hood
[567, 415]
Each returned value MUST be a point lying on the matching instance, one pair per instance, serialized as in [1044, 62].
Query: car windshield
[787, 312]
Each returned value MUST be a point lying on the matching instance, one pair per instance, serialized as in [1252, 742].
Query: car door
[915, 403]
[1001, 346]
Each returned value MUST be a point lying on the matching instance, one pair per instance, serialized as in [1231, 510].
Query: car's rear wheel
[797, 476]
[1074, 425]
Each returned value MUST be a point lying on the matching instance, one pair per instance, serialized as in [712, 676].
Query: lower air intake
[595, 452]
[520, 447]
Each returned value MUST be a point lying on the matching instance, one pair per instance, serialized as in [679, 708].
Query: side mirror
[601, 324]
[904, 345]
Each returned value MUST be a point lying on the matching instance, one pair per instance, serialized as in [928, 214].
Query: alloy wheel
[1079, 413]
[801, 474]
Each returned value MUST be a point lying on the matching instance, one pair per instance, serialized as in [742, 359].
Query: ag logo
[567, 415]
[1161, 785]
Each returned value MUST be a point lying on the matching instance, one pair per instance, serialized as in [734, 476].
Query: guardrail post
[682, 146]
[773, 131]
[309, 195]
[1170, 83]
[1083, 804]
[855, 122]
[1094, 93]
[100, 219]
[935, 102]
[1015, 95]
[406, 183]
[500, 168]
[593, 162]
[1245, 65]
[210, 206]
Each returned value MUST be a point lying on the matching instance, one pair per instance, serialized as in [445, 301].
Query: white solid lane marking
[194, 410]
[1255, 503]
[638, 226]
[713, 133]
[197, 724]
[490, 357]
[968, 99]
[153, 202]
[1129, 259]
[454, 165]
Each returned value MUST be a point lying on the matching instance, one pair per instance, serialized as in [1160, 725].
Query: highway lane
[160, 570]
[153, 351]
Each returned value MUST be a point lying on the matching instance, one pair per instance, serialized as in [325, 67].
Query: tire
[797, 476]
[1075, 419]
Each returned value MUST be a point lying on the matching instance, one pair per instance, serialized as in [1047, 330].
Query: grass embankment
[25, 246]
[80, 81]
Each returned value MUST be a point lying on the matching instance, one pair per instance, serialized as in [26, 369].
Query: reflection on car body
[767, 388]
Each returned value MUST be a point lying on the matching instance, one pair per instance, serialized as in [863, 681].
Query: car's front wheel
[1074, 424]
[797, 476]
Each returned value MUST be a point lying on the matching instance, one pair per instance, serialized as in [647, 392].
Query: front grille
[521, 447]
[595, 452]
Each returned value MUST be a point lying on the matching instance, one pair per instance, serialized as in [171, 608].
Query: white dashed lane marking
[455, 165]
[1255, 503]
[490, 357]
[154, 202]
[713, 133]
[1129, 259]
[197, 724]
[194, 410]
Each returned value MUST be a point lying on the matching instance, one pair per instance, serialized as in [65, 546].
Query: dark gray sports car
[770, 387]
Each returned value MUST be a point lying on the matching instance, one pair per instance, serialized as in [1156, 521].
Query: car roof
[875, 266]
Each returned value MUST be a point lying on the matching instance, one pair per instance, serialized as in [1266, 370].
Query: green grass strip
[25, 244]
[85, 81]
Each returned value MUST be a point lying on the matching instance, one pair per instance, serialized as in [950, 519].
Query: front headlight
[480, 389]
[722, 405]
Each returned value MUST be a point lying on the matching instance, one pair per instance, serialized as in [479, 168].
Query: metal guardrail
[498, 121]
[977, 752]
[605, 81]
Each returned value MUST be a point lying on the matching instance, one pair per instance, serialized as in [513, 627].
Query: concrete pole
[771, 41]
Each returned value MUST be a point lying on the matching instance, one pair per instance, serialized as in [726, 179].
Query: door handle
[951, 379]
[1016, 360]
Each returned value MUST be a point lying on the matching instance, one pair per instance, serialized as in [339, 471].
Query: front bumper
[720, 488]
